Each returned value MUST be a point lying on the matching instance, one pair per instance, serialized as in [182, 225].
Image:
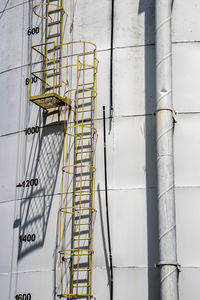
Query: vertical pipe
[111, 58]
[165, 164]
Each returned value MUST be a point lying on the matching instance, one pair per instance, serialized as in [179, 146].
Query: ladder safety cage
[56, 74]
[46, 58]
[51, 6]
[77, 212]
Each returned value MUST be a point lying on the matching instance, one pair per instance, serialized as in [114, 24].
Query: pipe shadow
[148, 8]
[105, 247]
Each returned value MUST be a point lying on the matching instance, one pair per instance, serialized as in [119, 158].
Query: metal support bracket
[165, 263]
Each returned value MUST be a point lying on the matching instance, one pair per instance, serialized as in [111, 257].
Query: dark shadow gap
[147, 7]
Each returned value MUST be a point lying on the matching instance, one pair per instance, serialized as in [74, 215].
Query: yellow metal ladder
[48, 67]
[54, 33]
[82, 208]
[66, 74]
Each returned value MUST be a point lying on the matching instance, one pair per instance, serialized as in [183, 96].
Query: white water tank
[29, 267]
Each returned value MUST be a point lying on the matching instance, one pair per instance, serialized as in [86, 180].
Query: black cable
[111, 58]
[107, 213]
[172, 5]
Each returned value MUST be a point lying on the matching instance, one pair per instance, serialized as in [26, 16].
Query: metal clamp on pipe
[165, 263]
[174, 113]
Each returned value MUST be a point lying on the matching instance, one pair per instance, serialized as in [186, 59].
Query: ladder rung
[77, 195]
[84, 146]
[53, 74]
[83, 202]
[54, 11]
[83, 174]
[82, 84]
[85, 187]
[78, 281]
[54, 49]
[82, 232]
[81, 270]
[87, 138]
[80, 286]
[85, 122]
[81, 265]
[51, 62]
[84, 69]
[82, 217]
[82, 188]
[53, 87]
[54, 23]
[84, 133]
[86, 247]
[53, 36]
[89, 151]
[84, 105]
[81, 254]
[83, 239]
[83, 111]
[84, 160]
[80, 224]
[83, 180]
[80, 152]
[82, 98]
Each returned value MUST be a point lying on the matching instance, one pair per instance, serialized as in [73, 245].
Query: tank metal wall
[30, 267]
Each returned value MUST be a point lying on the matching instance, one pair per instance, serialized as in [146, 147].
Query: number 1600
[23, 297]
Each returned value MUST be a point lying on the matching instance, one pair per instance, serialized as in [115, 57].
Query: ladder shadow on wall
[5, 7]
[42, 159]
[42, 163]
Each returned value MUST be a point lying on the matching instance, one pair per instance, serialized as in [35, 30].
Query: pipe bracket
[174, 113]
[165, 263]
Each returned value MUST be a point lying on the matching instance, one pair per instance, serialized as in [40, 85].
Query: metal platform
[51, 100]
